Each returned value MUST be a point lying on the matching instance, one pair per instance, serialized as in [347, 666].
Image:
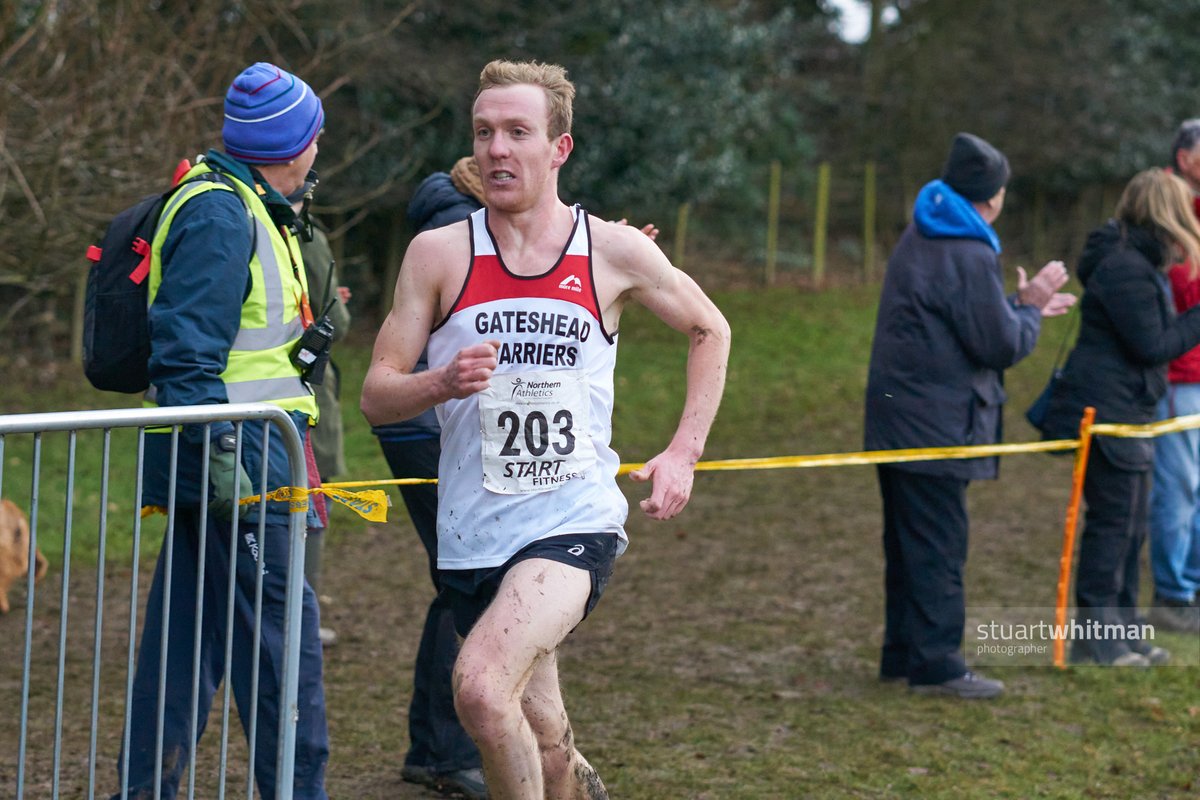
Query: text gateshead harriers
[563, 326]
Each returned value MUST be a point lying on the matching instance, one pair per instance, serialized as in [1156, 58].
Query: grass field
[734, 655]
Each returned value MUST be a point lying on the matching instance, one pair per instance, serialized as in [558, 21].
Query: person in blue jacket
[441, 754]
[943, 337]
[214, 339]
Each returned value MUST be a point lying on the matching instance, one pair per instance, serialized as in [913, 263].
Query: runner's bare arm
[676, 299]
[391, 390]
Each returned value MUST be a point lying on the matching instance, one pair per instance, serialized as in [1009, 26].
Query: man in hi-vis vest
[228, 301]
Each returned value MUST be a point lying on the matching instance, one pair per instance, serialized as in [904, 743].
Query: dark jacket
[1128, 332]
[193, 321]
[944, 334]
[435, 204]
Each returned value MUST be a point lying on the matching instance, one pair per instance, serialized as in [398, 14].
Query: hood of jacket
[942, 213]
[437, 202]
[1113, 236]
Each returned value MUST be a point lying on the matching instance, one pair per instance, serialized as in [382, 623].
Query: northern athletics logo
[532, 389]
[571, 283]
[576, 550]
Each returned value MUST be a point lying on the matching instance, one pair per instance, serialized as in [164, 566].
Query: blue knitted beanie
[271, 116]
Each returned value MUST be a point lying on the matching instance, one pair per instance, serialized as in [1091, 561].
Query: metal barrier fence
[66, 769]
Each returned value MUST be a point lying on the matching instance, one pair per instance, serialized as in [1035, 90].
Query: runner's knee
[484, 706]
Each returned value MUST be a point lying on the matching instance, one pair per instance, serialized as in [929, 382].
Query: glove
[222, 466]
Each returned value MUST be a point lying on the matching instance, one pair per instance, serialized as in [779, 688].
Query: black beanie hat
[975, 169]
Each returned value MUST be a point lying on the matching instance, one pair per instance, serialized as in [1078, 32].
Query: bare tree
[100, 99]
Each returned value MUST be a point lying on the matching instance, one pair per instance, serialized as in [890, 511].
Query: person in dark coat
[441, 754]
[1128, 333]
[943, 337]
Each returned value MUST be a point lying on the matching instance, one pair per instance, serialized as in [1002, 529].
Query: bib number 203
[537, 433]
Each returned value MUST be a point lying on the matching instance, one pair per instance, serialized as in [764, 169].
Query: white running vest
[530, 457]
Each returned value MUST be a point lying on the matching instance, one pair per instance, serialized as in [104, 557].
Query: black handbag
[1036, 413]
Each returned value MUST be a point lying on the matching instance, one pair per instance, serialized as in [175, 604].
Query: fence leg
[1068, 549]
[869, 204]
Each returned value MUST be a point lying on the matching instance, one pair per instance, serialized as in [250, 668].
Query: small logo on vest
[571, 283]
[533, 389]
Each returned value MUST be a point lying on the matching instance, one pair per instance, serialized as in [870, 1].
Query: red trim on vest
[94, 253]
[570, 280]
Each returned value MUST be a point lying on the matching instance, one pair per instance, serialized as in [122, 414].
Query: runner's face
[518, 161]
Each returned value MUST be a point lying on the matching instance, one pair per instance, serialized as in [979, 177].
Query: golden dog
[14, 550]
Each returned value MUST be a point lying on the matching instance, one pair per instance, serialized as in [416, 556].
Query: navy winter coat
[437, 203]
[193, 322]
[943, 337]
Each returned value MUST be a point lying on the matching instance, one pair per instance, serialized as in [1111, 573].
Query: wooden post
[773, 220]
[821, 224]
[1068, 548]
[681, 223]
[869, 207]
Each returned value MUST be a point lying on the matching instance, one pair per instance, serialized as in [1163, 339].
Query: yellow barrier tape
[389, 482]
[372, 504]
[876, 456]
[1149, 430]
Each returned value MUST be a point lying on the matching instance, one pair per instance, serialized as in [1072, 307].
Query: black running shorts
[469, 591]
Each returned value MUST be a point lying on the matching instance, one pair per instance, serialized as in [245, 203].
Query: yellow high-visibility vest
[259, 368]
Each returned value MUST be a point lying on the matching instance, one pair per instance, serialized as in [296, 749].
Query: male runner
[520, 306]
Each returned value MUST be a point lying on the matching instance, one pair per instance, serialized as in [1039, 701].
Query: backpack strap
[216, 176]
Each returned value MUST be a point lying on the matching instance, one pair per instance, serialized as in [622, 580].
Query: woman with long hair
[1128, 333]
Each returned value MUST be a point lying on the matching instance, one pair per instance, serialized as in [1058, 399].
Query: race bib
[534, 431]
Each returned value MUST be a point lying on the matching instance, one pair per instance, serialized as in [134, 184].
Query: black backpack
[116, 334]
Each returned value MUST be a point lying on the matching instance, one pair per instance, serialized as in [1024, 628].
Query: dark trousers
[1114, 528]
[925, 550]
[437, 739]
[312, 740]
